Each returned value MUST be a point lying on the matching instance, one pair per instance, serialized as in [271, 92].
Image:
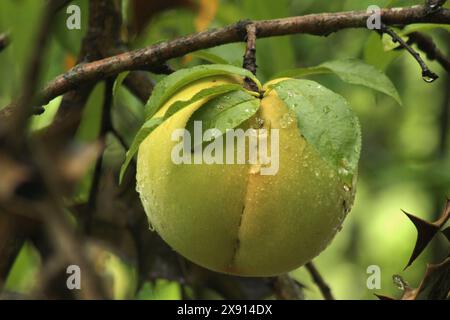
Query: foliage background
[404, 164]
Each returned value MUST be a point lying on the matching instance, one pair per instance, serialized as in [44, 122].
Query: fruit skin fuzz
[230, 218]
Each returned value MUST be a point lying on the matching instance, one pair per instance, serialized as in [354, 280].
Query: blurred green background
[405, 162]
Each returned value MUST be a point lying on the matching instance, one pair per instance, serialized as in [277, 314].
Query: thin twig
[319, 281]
[425, 43]
[427, 74]
[315, 24]
[250, 55]
[286, 288]
[445, 109]
[250, 50]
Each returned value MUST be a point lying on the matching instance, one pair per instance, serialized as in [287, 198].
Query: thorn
[426, 231]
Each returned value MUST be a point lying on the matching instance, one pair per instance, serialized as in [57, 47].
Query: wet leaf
[225, 112]
[143, 132]
[352, 71]
[205, 93]
[168, 86]
[326, 121]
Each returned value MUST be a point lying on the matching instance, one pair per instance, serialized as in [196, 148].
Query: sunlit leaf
[161, 289]
[175, 81]
[205, 93]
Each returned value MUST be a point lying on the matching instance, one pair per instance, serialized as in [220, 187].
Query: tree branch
[318, 280]
[315, 24]
[425, 43]
[427, 74]
[250, 55]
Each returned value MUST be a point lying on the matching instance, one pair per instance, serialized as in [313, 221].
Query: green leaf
[374, 53]
[90, 125]
[423, 27]
[43, 120]
[21, 20]
[151, 124]
[225, 112]
[161, 289]
[352, 71]
[210, 57]
[326, 121]
[357, 72]
[389, 44]
[71, 40]
[143, 132]
[301, 72]
[208, 92]
[88, 131]
[118, 83]
[23, 273]
[168, 86]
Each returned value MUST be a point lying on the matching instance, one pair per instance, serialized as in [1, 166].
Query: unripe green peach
[231, 218]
